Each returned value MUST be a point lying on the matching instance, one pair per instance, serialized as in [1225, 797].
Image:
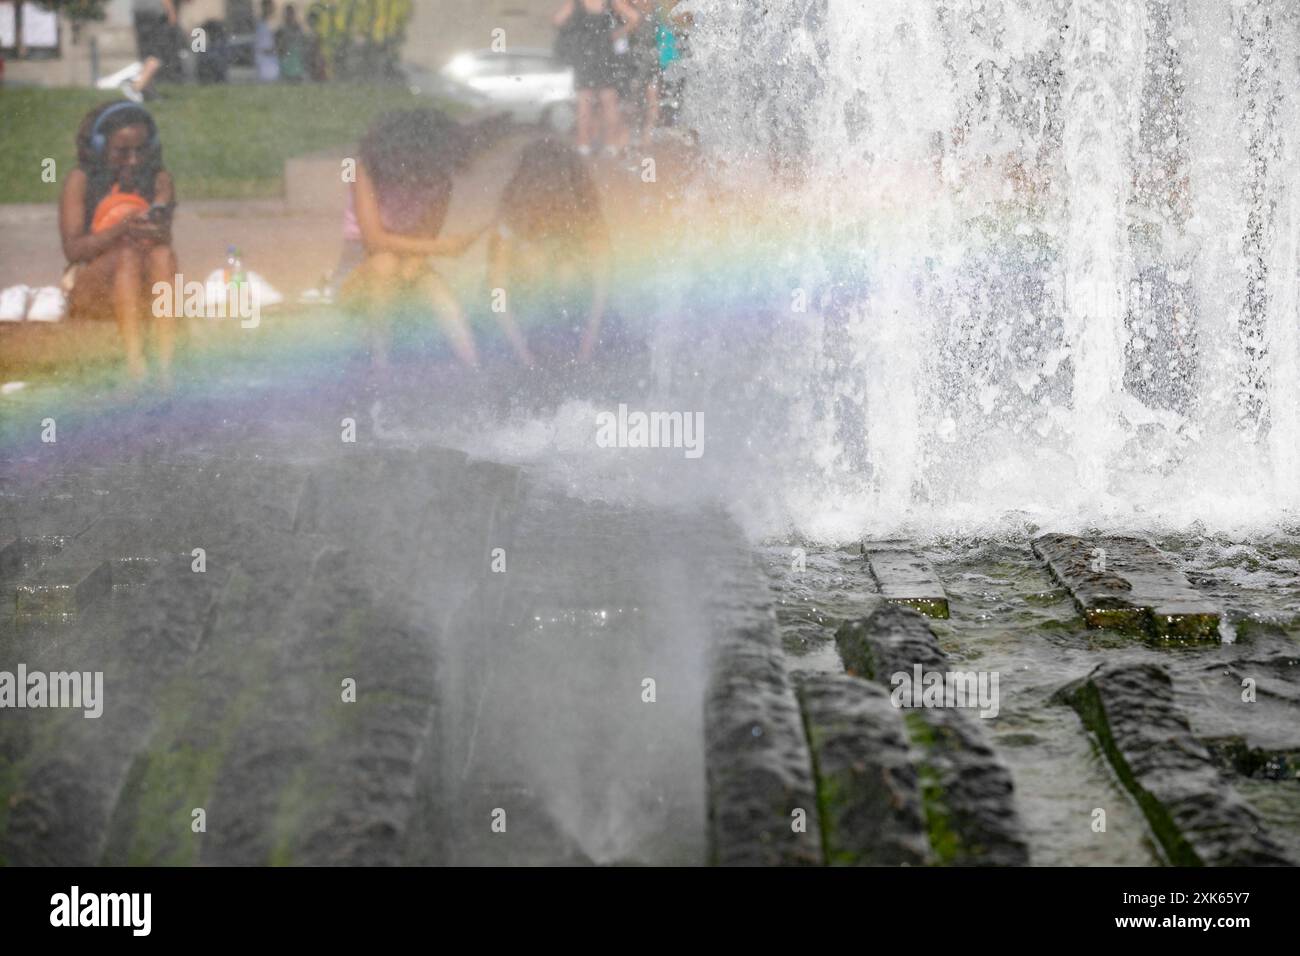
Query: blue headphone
[99, 141]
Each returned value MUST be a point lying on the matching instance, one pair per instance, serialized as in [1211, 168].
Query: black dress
[591, 46]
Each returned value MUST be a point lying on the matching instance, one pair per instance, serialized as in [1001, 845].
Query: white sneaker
[13, 303]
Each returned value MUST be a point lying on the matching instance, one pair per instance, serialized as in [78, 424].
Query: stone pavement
[382, 652]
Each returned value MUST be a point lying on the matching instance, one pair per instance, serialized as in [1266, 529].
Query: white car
[530, 84]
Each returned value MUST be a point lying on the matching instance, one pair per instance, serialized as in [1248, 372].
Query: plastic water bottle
[234, 266]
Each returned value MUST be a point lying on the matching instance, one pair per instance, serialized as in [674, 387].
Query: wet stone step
[758, 769]
[12, 556]
[346, 768]
[542, 673]
[1128, 585]
[20, 556]
[65, 586]
[113, 551]
[1236, 754]
[509, 824]
[429, 536]
[38, 515]
[220, 501]
[335, 498]
[967, 794]
[757, 759]
[135, 546]
[229, 500]
[905, 577]
[1197, 817]
[66, 772]
[1254, 695]
[868, 791]
[200, 710]
[891, 640]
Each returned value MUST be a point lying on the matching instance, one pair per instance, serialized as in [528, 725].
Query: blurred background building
[45, 48]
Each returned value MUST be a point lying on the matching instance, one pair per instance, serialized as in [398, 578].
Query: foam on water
[960, 266]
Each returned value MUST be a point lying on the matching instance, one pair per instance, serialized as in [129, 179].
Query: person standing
[593, 39]
[317, 69]
[265, 57]
[156, 25]
[291, 43]
[645, 69]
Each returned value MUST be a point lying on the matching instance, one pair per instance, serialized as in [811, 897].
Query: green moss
[313, 786]
[167, 788]
[824, 791]
[179, 771]
[1251, 629]
[930, 607]
[829, 796]
[944, 841]
[855, 650]
[1055, 625]
[919, 730]
[1183, 630]
[1087, 702]
[1177, 630]
[177, 775]
[1250, 761]
[1130, 620]
[298, 800]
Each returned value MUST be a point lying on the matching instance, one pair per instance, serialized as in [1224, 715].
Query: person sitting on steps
[115, 223]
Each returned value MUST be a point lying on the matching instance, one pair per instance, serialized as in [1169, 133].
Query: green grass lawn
[221, 142]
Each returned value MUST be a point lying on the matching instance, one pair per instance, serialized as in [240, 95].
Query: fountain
[1048, 251]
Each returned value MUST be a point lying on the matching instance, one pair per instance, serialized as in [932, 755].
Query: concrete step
[201, 709]
[1128, 585]
[310, 778]
[967, 793]
[868, 791]
[1194, 813]
[66, 772]
[905, 577]
[758, 764]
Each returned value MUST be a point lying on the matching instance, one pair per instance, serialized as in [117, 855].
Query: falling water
[972, 259]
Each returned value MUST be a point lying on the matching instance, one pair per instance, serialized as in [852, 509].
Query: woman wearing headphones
[115, 222]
